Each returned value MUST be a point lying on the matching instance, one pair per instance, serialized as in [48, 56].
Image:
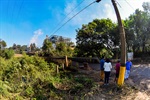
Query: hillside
[32, 78]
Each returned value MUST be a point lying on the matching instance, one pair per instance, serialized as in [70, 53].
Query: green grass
[34, 78]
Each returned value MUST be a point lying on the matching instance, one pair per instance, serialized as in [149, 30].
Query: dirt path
[139, 79]
[140, 74]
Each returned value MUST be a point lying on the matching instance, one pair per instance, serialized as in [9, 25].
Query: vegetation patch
[32, 77]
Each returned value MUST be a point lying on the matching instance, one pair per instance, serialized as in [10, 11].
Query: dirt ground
[137, 87]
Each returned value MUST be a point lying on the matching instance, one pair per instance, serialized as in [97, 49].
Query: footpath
[139, 83]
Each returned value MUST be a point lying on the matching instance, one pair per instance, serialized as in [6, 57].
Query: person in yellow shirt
[102, 61]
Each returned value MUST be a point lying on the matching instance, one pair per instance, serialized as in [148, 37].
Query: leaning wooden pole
[123, 46]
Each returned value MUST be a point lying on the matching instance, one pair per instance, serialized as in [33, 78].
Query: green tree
[17, 48]
[146, 6]
[32, 47]
[61, 47]
[14, 47]
[2, 44]
[47, 46]
[137, 29]
[24, 48]
[7, 53]
[96, 38]
[130, 36]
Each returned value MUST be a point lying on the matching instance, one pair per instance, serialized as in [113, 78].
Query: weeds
[32, 77]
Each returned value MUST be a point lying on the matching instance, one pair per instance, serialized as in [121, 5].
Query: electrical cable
[73, 17]
[7, 14]
[13, 12]
[118, 4]
[67, 15]
[129, 4]
[20, 9]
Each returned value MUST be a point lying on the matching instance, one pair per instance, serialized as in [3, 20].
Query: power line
[7, 15]
[67, 15]
[20, 9]
[74, 16]
[118, 4]
[129, 4]
[13, 11]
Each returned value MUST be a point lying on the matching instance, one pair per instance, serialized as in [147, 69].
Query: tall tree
[2, 44]
[14, 46]
[63, 48]
[137, 27]
[130, 36]
[47, 46]
[32, 47]
[95, 38]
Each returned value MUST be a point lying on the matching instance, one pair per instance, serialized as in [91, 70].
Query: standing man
[102, 61]
[128, 68]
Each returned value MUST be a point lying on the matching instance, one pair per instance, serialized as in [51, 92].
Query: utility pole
[123, 45]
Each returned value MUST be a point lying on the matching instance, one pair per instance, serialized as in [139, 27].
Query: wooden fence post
[63, 66]
[66, 61]
[57, 70]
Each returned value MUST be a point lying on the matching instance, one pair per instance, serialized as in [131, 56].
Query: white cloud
[70, 6]
[109, 11]
[129, 6]
[96, 10]
[103, 9]
[35, 37]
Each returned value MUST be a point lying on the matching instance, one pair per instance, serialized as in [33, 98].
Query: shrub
[7, 53]
[3, 89]
[29, 92]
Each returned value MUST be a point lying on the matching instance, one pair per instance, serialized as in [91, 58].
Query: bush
[7, 53]
[32, 77]
[3, 89]
[29, 92]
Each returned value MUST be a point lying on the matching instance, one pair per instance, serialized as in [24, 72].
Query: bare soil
[18, 55]
[137, 87]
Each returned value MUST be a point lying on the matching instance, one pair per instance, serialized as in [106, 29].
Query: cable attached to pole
[67, 15]
[98, 1]
[129, 4]
[75, 15]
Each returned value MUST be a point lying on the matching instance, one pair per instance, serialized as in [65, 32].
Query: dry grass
[18, 55]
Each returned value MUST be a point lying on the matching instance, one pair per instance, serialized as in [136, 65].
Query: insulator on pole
[98, 1]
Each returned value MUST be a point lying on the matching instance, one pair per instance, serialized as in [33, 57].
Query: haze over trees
[97, 38]
[57, 46]
[138, 30]
[32, 77]
[2, 44]
[101, 36]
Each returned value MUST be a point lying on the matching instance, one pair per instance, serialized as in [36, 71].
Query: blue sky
[29, 21]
